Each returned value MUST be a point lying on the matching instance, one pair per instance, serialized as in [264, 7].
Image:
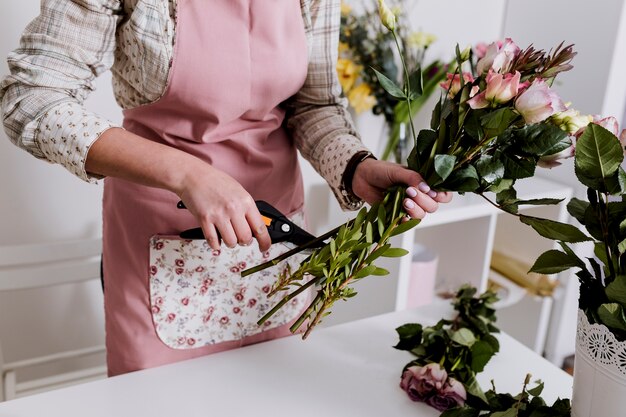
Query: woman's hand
[372, 178]
[223, 206]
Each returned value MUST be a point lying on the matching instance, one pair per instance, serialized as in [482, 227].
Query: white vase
[599, 372]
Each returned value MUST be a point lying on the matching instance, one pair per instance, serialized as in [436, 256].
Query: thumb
[401, 175]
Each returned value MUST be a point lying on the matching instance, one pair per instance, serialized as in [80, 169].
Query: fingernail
[409, 204]
[423, 187]
[432, 193]
[411, 192]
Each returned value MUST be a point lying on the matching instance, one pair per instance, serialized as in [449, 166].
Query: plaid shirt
[71, 42]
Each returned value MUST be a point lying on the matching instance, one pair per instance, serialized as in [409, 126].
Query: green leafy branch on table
[450, 354]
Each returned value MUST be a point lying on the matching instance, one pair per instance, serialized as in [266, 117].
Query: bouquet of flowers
[450, 354]
[365, 45]
[598, 157]
[497, 120]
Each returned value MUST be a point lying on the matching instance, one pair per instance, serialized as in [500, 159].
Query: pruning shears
[281, 229]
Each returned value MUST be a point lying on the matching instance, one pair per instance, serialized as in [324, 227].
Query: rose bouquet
[450, 354]
[494, 124]
[365, 44]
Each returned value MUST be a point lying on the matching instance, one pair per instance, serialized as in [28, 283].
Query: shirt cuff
[333, 161]
[65, 133]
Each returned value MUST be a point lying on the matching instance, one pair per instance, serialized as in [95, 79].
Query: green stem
[307, 313]
[292, 252]
[408, 86]
[605, 235]
[285, 300]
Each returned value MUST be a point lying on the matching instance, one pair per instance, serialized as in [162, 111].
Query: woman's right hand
[223, 208]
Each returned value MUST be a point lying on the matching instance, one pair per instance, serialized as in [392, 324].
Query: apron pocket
[198, 297]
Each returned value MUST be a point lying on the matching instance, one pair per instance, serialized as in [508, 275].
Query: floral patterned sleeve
[317, 115]
[61, 53]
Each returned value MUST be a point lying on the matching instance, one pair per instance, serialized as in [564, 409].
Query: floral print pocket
[199, 298]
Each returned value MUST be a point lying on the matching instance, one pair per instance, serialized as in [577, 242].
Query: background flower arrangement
[366, 45]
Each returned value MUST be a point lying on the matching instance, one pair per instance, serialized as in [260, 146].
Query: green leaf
[465, 411]
[389, 86]
[482, 352]
[415, 79]
[555, 230]
[380, 272]
[369, 233]
[516, 167]
[612, 315]
[394, 253]
[541, 139]
[490, 169]
[444, 164]
[333, 247]
[616, 290]
[621, 247]
[472, 387]
[377, 253]
[577, 208]
[540, 202]
[536, 391]
[366, 271]
[501, 185]
[403, 227]
[410, 335]
[464, 337]
[553, 262]
[496, 122]
[461, 180]
[598, 153]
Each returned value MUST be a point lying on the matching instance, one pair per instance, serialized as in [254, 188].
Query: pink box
[421, 288]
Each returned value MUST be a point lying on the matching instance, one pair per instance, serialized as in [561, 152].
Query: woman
[217, 98]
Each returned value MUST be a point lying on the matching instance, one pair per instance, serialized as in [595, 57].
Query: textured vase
[599, 372]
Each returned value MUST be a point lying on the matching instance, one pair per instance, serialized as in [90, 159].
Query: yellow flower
[421, 39]
[345, 8]
[348, 72]
[343, 47]
[361, 98]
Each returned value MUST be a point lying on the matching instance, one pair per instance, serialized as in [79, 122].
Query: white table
[345, 370]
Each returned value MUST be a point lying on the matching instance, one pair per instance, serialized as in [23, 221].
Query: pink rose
[431, 384]
[498, 57]
[609, 123]
[480, 50]
[538, 102]
[501, 88]
[453, 83]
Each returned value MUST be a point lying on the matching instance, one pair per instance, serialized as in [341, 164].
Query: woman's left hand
[372, 178]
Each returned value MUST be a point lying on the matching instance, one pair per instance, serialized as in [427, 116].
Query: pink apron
[167, 299]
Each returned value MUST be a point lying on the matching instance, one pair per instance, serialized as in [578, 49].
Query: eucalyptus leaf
[389, 86]
[598, 153]
[394, 252]
[555, 230]
[405, 226]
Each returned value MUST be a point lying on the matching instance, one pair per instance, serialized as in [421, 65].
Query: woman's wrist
[350, 171]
